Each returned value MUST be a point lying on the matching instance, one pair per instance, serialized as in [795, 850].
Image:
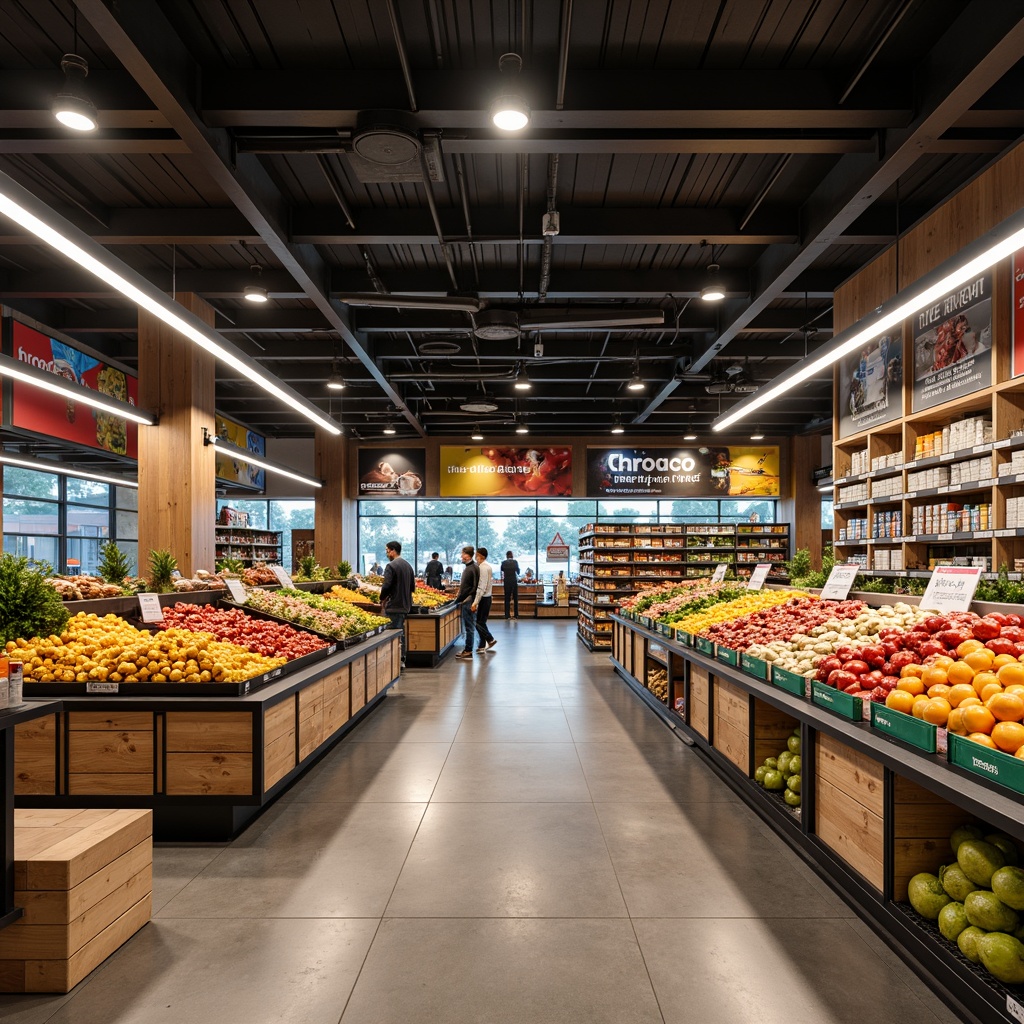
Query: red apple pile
[799, 615]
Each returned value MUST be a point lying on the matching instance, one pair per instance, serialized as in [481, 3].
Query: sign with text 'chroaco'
[701, 472]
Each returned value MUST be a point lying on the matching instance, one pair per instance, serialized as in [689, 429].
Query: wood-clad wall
[980, 206]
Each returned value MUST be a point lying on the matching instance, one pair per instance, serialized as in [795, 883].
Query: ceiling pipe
[471, 376]
[335, 186]
[403, 57]
[436, 217]
[545, 259]
[563, 53]
[876, 49]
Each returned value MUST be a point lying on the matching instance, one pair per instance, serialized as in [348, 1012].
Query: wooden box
[700, 701]
[84, 879]
[732, 723]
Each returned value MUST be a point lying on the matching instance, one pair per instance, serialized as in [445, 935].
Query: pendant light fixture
[713, 290]
[636, 382]
[389, 428]
[757, 435]
[617, 427]
[72, 106]
[336, 382]
[254, 291]
[476, 435]
[689, 435]
[509, 111]
[522, 428]
[523, 382]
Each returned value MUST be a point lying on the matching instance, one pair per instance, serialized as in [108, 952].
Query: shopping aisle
[495, 844]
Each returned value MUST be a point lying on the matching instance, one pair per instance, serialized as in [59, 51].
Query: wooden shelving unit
[618, 560]
[248, 545]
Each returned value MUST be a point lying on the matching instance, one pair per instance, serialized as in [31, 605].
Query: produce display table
[10, 720]
[430, 635]
[204, 765]
[874, 812]
[529, 595]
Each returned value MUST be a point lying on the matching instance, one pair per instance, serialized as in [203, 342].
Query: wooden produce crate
[700, 701]
[849, 807]
[922, 823]
[85, 881]
[772, 730]
[110, 752]
[731, 708]
[209, 757]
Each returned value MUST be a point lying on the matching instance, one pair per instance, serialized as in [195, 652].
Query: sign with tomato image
[492, 472]
[683, 472]
[39, 412]
[953, 345]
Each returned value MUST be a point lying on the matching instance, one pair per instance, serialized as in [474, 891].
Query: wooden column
[177, 500]
[330, 461]
[803, 506]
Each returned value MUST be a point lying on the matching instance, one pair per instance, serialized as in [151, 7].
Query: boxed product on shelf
[880, 559]
[891, 461]
[885, 525]
[937, 476]
[853, 492]
[1015, 466]
[859, 462]
[970, 471]
[885, 487]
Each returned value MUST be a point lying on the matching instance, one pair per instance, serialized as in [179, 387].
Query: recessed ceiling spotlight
[72, 106]
[509, 111]
[713, 291]
[254, 291]
[390, 429]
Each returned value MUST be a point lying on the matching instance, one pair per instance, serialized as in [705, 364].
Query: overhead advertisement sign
[683, 472]
[953, 345]
[871, 385]
[1017, 319]
[392, 473]
[34, 410]
[505, 472]
[237, 472]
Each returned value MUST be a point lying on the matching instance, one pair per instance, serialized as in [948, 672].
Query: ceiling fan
[495, 323]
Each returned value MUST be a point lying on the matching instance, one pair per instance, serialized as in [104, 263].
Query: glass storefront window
[630, 511]
[446, 535]
[85, 492]
[257, 511]
[748, 511]
[126, 525]
[440, 507]
[287, 516]
[21, 516]
[126, 497]
[37, 549]
[27, 483]
[376, 531]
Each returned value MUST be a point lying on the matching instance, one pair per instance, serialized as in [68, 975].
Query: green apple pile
[781, 774]
[977, 901]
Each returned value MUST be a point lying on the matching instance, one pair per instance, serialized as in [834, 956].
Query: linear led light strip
[844, 346]
[54, 467]
[28, 374]
[63, 244]
[240, 453]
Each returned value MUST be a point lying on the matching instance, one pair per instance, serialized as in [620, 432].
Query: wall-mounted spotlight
[509, 111]
[72, 106]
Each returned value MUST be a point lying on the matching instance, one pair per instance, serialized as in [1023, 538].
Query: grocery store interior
[511, 511]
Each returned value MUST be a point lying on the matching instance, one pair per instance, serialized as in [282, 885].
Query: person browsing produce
[396, 590]
[433, 573]
[466, 597]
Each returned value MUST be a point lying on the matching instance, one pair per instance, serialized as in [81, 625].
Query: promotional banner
[683, 472]
[505, 472]
[238, 472]
[1017, 318]
[953, 345]
[392, 474]
[871, 385]
[42, 413]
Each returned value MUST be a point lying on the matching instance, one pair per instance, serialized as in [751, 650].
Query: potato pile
[109, 649]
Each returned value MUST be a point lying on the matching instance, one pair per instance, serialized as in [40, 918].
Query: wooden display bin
[204, 765]
[429, 637]
[849, 807]
[730, 707]
[698, 708]
[529, 594]
[84, 879]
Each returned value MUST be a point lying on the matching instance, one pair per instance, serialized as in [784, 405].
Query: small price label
[951, 588]
[719, 574]
[839, 582]
[759, 575]
[236, 590]
[1014, 1009]
[101, 687]
[282, 577]
[149, 607]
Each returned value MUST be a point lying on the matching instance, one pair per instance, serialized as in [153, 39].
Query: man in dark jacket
[466, 597]
[434, 572]
[510, 582]
[396, 590]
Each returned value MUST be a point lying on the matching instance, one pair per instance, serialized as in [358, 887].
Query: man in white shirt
[482, 601]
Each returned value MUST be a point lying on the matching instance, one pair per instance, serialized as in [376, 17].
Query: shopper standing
[466, 598]
[434, 572]
[396, 590]
[482, 603]
[510, 582]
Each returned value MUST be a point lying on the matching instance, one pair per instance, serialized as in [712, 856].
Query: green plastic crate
[684, 638]
[999, 768]
[729, 656]
[704, 645]
[789, 681]
[904, 727]
[755, 666]
[842, 704]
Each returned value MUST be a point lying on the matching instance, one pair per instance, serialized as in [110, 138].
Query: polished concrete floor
[513, 839]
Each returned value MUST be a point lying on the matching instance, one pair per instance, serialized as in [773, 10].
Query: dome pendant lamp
[72, 106]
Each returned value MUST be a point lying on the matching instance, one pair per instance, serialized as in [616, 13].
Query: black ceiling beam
[105, 141]
[609, 100]
[144, 42]
[978, 48]
[26, 95]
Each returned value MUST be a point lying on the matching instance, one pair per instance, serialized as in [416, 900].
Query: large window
[64, 521]
[526, 528]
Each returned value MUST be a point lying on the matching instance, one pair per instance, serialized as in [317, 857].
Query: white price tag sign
[719, 574]
[839, 582]
[951, 588]
[149, 607]
[236, 590]
[759, 575]
[282, 577]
